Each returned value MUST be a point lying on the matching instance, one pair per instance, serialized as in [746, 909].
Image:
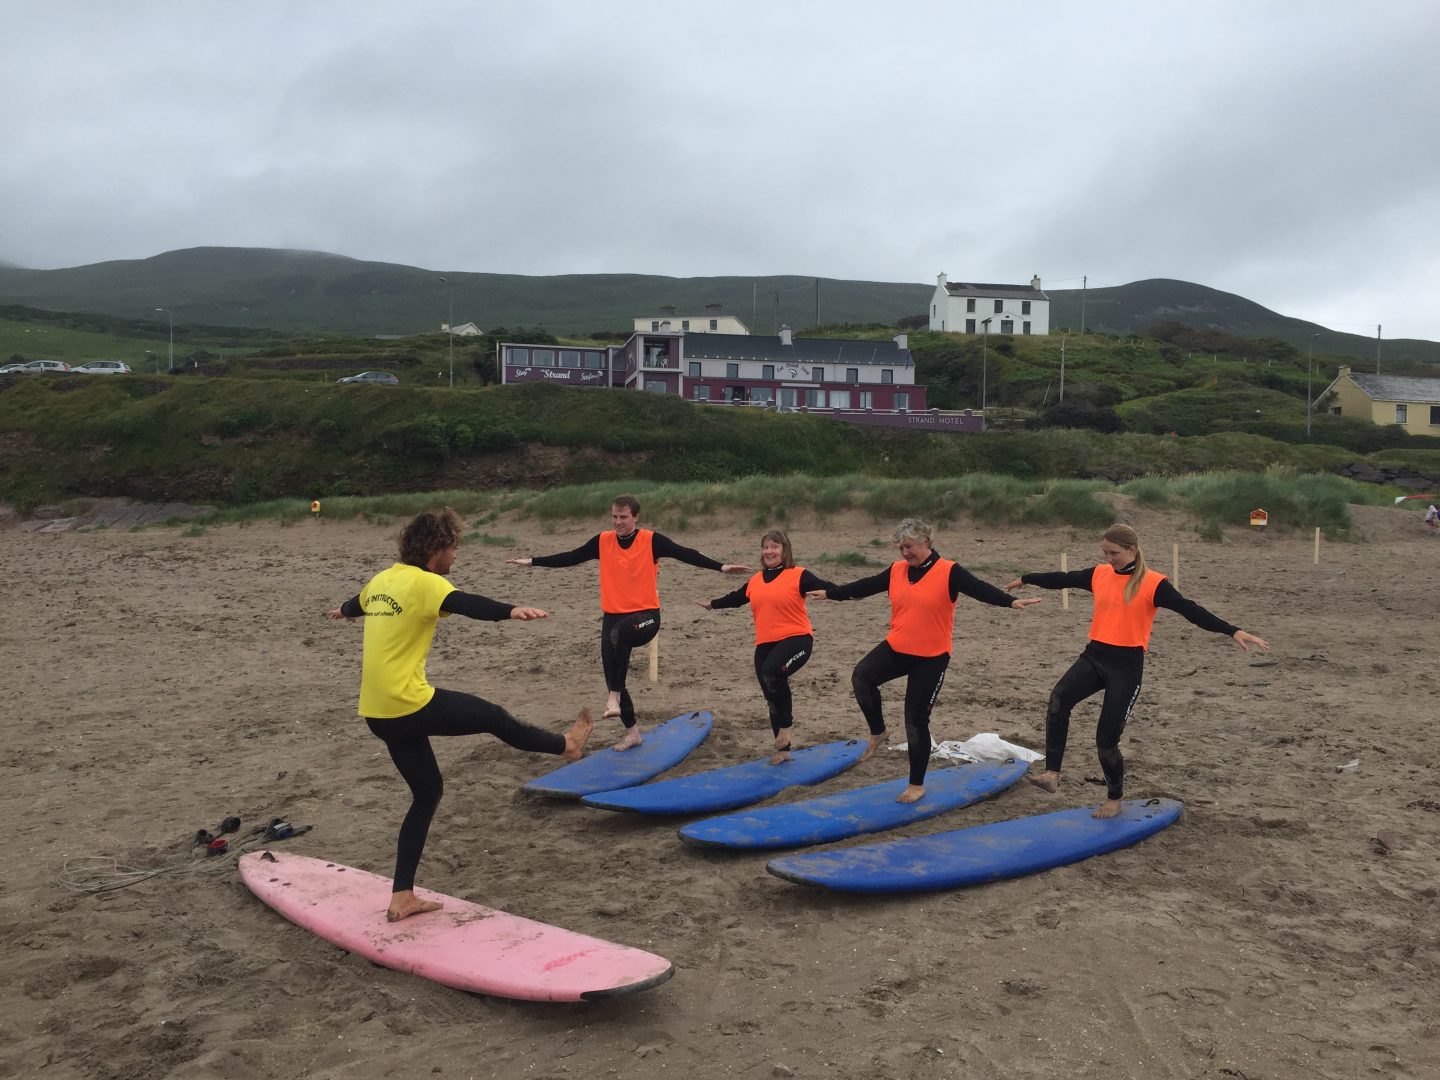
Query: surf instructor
[629, 558]
[1127, 597]
[923, 589]
[401, 606]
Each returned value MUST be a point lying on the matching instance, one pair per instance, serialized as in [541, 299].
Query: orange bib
[778, 606]
[1115, 622]
[628, 577]
[922, 615]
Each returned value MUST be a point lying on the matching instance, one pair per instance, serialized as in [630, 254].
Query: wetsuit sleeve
[351, 608]
[963, 581]
[739, 598]
[586, 552]
[665, 548]
[863, 587]
[1056, 579]
[1167, 596]
[475, 606]
[809, 583]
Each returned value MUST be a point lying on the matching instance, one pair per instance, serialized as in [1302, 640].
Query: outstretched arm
[1056, 579]
[855, 590]
[665, 548]
[350, 610]
[586, 552]
[739, 598]
[475, 606]
[963, 581]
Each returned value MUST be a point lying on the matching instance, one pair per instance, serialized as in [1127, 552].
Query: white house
[713, 321]
[969, 308]
[468, 329]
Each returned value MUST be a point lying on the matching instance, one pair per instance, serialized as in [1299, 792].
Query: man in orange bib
[1127, 596]
[923, 590]
[629, 559]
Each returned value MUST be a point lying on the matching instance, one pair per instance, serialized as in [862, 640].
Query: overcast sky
[1286, 151]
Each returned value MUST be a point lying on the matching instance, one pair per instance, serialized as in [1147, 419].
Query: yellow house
[1412, 403]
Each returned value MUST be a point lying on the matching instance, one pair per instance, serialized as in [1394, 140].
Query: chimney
[941, 279]
[668, 309]
[716, 308]
[785, 335]
[1035, 283]
[902, 341]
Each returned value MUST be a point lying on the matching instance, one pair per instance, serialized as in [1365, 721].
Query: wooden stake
[1317, 545]
[655, 658]
[1175, 565]
[1064, 593]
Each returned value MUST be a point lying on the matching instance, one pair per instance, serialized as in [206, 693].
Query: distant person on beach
[923, 589]
[1127, 596]
[1432, 517]
[784, 639]
[629, 558]
[401, 606]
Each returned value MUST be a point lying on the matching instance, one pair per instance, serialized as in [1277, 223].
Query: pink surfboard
[463, 945]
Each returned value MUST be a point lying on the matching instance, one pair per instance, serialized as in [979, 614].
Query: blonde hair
[1126, 537]
[779, 536]
[913, 529]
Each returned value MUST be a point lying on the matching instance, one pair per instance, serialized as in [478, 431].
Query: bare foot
[874, 741]
[405, 903]
[782, 750]
[1046, 781]
[912, 793]
[632, 738]
[578, 736]
[1107, 809]
[612, 707]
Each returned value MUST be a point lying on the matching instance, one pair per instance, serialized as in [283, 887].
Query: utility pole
[1063, 339]
[1084, 286]
[1309, 375]
[1377, 348]
[984, 368]
[754, 306]
[817, 301]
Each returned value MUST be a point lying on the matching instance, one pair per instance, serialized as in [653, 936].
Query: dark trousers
[1115, 669]
[775, 662]
[924, 676]
[407, 738]
[619, 635]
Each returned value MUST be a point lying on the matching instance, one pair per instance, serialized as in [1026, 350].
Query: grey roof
[803, 350]
[1398, 388]
[998, 292]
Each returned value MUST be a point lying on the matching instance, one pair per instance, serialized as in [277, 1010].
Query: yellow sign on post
[315, 506]
[1259, 518]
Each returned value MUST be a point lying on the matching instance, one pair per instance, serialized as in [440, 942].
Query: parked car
[381, 378]
[45, 365]
[103, 367]
[10, 369]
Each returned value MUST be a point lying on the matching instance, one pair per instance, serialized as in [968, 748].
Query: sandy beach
[160, 680]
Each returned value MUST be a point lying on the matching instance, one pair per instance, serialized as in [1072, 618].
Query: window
[887, 376]
[969, 326]
[932, 311]
[714, 324]
[569, 357]
[684, 324]
[762, 394]
[700, 392]
[852, 374]
[1434, 415]
[694, 369]
[733, 393]
[970, 305]
[1024, 307]
[839, 399]
[767, 371]
[867, 399]
[813, 399]
[1402, 413]
[787, 399]
[999, 306]
[1335, 410]
[543, 357]
[656, 386]
[595, 361]
[732, 371]
[817, 374]
[902, 401]
[654, 324]
[1007, 326]
[517, 357]
[1025, 327]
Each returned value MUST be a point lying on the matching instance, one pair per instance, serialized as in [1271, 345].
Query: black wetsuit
[448, 712]
[776, 661]
[1115, 669]
[925, 675]
[623, 633]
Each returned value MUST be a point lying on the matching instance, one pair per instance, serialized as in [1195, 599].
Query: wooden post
[1064, 593]
[1175, 565]
[655, 658]
[1317, 545]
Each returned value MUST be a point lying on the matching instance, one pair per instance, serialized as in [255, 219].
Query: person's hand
[519, 562]
[337, 615]
[703, 603]
[1245, 640]
[1017, 583]
[525, 614]
[734, 568]
[1020, 605]
[817, 594]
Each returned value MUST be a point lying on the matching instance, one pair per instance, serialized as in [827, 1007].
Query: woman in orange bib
[784, 639]
[1127, 596]
[923, 590]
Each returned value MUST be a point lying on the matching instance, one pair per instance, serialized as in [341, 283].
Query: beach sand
[157, 682]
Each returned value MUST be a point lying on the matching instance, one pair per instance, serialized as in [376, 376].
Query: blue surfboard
[852, 813]
[982, 853]
[735, 785]
[665, 746]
